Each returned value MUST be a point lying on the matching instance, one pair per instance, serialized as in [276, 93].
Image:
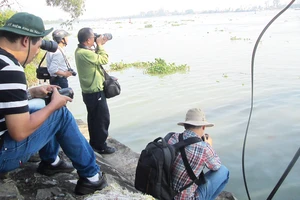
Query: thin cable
[252, 72]
[284, 175]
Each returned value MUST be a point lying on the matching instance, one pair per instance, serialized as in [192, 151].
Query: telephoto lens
[50, 46]
[107, 35]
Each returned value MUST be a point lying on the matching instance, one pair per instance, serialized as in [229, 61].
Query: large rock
[25, 183]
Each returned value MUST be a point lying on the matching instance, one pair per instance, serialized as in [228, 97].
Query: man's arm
[22, 125]
[212, 160]
[102, 56]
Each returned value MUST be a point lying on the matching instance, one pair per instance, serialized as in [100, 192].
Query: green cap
[24, 23]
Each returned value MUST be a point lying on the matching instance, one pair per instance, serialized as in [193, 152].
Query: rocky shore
[26, 184]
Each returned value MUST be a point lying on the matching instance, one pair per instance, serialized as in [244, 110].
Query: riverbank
[26, 184]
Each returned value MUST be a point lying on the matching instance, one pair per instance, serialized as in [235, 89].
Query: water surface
[218, 82]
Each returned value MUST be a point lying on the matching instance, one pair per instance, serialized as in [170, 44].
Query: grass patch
[158, 67]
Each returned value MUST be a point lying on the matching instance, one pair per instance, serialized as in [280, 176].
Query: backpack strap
[182, 143]
[168, 136]
[201, 179]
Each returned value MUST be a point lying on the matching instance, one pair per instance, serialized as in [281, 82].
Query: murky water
[219, 82]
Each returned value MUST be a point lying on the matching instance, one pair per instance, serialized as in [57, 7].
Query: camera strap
[66, 60]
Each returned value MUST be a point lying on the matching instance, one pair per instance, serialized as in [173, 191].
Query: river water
[219, 82]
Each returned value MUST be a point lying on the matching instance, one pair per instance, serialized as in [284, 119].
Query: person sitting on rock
[199, 155]
[23, 133]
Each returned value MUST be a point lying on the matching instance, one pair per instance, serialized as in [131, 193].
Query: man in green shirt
[88, 60]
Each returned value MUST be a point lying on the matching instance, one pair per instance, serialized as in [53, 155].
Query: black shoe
[107, 150]
[49, 170]
[84, 186]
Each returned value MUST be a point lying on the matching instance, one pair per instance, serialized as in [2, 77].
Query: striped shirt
[199, 155]
[13, 96]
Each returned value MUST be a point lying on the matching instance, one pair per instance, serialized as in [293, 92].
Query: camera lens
[108, 36]
[50, 46]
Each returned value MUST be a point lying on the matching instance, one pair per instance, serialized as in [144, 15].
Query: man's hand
[58, 100]
[101, 40]
[42, 91]
[207, 139]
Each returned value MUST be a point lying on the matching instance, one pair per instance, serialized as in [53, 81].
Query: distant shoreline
[162, 13]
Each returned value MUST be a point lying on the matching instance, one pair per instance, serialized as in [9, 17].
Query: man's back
[199, 155]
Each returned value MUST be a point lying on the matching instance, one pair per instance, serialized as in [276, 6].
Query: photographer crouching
[57, 62]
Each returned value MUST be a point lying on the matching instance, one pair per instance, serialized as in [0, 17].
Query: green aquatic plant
[119, 66]
[158, 67]
[148, 26]
[235, 38]
[186, 20]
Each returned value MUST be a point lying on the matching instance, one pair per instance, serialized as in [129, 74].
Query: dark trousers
[60, 81]
[98, 118]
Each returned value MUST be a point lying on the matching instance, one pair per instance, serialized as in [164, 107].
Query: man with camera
[57, 62]
[199, 156]
[23, 133]
[91, 77]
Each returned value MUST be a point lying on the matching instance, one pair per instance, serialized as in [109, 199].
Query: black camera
[64, 91]
[48, 45]
[72, 71]
[107, 35]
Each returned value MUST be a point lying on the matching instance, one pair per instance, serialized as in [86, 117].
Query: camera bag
[112, 87]
[42, 72]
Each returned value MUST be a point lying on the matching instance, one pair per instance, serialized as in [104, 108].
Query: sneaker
[84, 186]
[49, 170]
[107, 150]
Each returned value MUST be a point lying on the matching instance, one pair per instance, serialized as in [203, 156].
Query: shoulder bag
[42, 72]
[112, 87]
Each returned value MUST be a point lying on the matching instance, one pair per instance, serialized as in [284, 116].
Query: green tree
[4, 15]
[74, 7]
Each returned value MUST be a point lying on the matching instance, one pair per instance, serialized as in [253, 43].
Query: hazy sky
[114, 8]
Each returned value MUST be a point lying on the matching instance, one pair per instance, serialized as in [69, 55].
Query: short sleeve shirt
[13, 85]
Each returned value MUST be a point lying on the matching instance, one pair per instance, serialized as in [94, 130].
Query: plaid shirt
[199, 155]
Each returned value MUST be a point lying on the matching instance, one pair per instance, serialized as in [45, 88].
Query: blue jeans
[36, 104]
[215, 183]
[60, 129]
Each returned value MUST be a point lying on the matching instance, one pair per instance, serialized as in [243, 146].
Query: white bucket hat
[195, 117]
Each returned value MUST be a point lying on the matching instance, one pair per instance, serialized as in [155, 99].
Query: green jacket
[90, 74]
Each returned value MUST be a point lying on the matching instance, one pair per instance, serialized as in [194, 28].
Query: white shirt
[56, 61]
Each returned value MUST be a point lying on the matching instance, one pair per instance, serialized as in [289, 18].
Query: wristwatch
[29, 95]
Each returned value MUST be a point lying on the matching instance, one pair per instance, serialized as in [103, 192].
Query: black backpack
[154, 169]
